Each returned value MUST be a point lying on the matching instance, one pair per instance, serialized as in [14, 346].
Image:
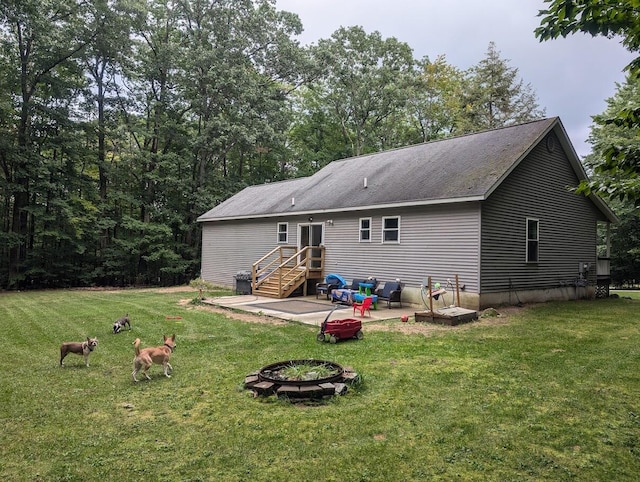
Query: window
[365, 230]
[283, 233]
[533, 240]
[391, 229]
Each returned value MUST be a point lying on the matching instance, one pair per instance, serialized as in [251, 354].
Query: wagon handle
[323, 326]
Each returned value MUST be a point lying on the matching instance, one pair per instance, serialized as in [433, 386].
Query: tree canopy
[122, 121]
[625, 239]
[619, 168]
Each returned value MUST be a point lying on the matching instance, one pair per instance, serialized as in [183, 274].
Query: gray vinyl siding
[229, 247]
[232, 246]
[437, 241]
[537, 188]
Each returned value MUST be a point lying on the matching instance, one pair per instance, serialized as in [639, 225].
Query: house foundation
[475, 301]
[564, 293]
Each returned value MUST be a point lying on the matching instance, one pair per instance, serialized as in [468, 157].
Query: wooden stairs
[285, 269]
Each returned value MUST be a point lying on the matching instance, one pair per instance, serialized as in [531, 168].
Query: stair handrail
[296, 267]
[298, 262]
[256, 271]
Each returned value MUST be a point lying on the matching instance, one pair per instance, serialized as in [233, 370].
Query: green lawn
[552, 394]
[633, 294]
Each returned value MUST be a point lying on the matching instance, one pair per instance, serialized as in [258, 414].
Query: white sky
[571, 77]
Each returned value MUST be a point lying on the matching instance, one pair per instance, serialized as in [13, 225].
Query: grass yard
[549, 393]
[633, 294]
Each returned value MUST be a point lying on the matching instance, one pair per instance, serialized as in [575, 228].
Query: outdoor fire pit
[301, 379]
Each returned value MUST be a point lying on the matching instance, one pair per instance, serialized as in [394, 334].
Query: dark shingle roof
[455, 169]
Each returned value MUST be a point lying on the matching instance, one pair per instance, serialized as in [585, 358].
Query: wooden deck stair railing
[285, 268]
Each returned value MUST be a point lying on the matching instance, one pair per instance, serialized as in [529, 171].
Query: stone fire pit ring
[328, 380]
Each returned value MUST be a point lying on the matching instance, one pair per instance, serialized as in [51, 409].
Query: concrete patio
[306, 309]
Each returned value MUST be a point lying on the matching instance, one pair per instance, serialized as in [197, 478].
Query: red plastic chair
[364, 306]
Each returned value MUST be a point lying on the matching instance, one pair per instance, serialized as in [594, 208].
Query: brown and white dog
[148, 356]
[83, 348]
[120, 324]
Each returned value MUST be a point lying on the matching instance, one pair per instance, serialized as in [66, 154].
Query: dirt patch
[235, 314]
[113, 289]
[504, 314]
[426, 328]
[176, 289]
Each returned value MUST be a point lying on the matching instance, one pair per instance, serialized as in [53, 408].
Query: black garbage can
[243, 282]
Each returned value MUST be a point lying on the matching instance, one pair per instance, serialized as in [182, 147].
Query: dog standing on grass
[148, 356]
[83, 348]
[121, 323]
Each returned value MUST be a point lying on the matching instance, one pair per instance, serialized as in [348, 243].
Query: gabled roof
[456, 169]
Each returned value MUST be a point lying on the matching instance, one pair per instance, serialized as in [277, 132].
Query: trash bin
[243, 282]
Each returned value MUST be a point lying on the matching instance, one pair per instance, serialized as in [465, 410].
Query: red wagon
[340, 329]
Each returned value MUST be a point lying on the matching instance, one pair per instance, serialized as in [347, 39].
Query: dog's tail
[136, 344]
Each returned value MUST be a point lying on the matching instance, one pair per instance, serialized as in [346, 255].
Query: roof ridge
[459, 136]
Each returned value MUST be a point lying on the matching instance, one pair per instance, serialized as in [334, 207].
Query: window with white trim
[365, 230]
[391, 229]
[283, 233]
[533, 240]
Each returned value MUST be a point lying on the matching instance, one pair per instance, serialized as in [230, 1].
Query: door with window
[311, 235]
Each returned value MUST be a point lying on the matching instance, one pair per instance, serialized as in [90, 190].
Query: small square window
[283, 233]
[533, 240]
[391, 229]
[365, 230]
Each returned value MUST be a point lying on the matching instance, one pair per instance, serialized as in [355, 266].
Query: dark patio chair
[331, 282]
[391, 292]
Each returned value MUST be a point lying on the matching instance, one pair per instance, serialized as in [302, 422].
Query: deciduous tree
[436, 98]
[625, 239]
[40, 42]
[365, 83]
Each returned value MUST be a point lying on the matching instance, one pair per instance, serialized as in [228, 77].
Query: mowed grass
[633, 294]
[552, 393]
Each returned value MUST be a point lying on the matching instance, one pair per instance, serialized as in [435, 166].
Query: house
[493, 208]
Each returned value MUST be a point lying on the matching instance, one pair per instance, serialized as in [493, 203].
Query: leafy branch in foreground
[619, 171]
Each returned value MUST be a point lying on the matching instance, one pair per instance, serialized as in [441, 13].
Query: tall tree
[625, 249]
[604, 134]
[103, 62]
[625, 239]
[153, 109]
[366, 82]
[435, 102]
[315, 135]
[40, 42]
[240, 66]
[620, 166]
[104, 59]
[204, 99]
[495, 96]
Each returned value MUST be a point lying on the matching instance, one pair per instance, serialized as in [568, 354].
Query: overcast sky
[571, 77]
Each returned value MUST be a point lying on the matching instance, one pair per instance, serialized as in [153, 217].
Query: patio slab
[303, 309]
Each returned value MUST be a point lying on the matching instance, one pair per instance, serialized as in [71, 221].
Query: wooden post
[457, 291]
[430, 298]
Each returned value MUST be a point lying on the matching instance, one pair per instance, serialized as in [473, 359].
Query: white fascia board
[315, 212]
